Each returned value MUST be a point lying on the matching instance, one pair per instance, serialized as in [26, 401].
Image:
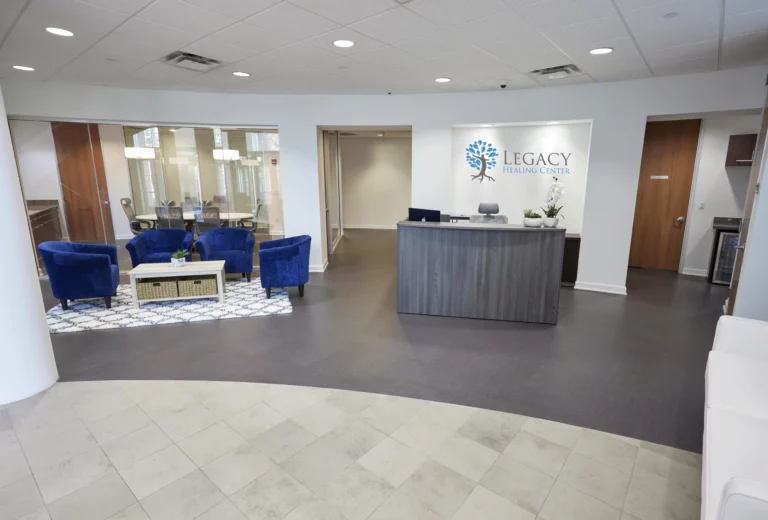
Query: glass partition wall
[235, 170]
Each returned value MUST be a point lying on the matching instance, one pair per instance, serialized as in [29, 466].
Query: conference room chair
[170, 217]
[206, 219]
[233, 245]
[157, 245]
[284, 263]
[81, 271]
[137, 226]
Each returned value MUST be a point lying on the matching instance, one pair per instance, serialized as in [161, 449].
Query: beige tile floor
[172, 450]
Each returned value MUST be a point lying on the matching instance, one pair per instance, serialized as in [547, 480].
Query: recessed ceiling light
[486, 126]
[442, 80]
[22, 67]
[380, 135]
[241, 74]
[602, 50]
[344, 43]
[59, 32]
[174, 130]
[670, 15]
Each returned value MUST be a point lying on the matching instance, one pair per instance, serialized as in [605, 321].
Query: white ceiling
[401, 46]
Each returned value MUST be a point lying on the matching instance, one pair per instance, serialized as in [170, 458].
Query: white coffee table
[215, 267]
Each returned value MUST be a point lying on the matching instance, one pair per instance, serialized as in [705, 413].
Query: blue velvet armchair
[233, 245]
[81, 271]
[157, 245]
[284, 263]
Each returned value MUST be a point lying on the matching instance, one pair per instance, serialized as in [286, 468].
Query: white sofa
[735, 469]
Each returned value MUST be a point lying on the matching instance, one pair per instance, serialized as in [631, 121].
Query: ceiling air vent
[189, 61]
[559, 72]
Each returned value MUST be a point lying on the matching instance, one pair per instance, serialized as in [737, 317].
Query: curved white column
[27, 365]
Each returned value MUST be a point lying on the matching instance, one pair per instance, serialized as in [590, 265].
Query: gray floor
[631, 365]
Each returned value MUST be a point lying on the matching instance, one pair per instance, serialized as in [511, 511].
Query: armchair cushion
[284, 262]
[157, 245]
[78, 271]
[233, 245]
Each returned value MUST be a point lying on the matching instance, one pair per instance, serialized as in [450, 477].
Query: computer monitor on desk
[423, 215]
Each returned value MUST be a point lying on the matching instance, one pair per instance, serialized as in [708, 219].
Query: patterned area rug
[243, 300]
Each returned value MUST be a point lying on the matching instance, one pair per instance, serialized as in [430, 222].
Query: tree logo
[481, 155]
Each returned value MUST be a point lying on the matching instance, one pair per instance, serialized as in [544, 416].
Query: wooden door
[83, 182]
[754, 177]
[666, 172]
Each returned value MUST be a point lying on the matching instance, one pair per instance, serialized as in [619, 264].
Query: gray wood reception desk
[476, 270]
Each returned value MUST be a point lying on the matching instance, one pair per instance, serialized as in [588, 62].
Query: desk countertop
[478, 226]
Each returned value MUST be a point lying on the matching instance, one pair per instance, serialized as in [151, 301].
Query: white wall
[618, 111]
[515, 191]
[118, 178]
[375, 181]
[38, 165]
[722, 190]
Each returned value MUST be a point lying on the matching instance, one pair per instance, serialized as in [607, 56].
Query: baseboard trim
[694, 272]
[318, 268]
[371, 226]
[601, 287]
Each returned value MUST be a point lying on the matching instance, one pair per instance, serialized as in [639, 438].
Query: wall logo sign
[481, 155]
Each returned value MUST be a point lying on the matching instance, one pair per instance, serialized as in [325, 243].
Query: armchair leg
[269, 292]
[108, 301]
[64, 305]
[301, 290]
[248, 276]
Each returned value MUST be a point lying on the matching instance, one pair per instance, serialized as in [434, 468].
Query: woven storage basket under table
[198, 286]
[156, 288]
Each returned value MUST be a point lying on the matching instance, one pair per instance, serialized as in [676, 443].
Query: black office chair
[252, 224]
[137, 226]
[169, 217]
[206, 219]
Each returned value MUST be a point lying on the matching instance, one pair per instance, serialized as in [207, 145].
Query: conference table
[190, 216]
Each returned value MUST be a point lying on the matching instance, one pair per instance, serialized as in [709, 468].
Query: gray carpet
[629, 365]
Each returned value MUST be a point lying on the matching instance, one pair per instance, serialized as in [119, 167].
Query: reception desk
[476, 270]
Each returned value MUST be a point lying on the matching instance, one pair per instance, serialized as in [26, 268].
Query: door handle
[740, 248]
[106, 203]
[680, 219]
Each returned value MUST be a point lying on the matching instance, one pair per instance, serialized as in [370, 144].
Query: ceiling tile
[685, 67]
[513, 80]
[475, 64]
[253, 38]
[448, 13]
[74, 16]
[220, 78]
[218, 50]
[745, 23]
[121, 47]
[673, 38]
[41, 72]
[697, 20]
[284, 59]
[362, 42]
[743, 6]
[351, 67]
[625, 55]
[292, 21]
[121, 6]
[502, 27]
[345, 12]
[388, 58]
[682, 53]
[744, 51]
[394, 26]
[593, 31]
[184, 16]
[155, 34]
[621, 72]
[161, 71]
[551, 14]
[435, 44]
[90, 68]
[529, 52]
[237, 9]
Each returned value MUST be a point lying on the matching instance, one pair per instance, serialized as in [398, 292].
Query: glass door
[333, 188]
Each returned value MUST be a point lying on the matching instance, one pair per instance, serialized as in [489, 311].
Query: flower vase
[178, 262]
[551, 222]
